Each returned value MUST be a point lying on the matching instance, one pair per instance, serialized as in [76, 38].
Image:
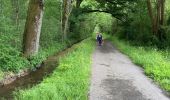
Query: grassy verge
[156, 63]
[70, 81]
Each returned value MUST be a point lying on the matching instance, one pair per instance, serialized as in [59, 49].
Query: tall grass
[156, 63]
[69, 81]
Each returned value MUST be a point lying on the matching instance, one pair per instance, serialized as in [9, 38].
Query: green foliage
[104, 22]
[10, 32]
[117, 8]
[90, 4]
[69, 81]
[11, 35]
[43, 54]
[51, 27]
[81, 26]
[137, 27]
[155, 63]
[11, 59]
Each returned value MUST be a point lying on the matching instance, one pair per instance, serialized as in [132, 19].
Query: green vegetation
[69, 81]
[156, 63]
[138, 27]
[11, 36]
[145, 24]
[12, 29]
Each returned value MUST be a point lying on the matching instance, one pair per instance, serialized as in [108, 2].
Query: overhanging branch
[103, 11]
[91, 11]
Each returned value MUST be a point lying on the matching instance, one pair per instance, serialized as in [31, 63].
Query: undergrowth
[11, 59]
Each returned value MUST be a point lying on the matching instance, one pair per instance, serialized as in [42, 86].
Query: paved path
[115, 77]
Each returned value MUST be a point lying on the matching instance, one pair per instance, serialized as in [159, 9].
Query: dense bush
[11, 59]
[137, 27]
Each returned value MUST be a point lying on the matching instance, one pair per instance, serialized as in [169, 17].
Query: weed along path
[115, 77]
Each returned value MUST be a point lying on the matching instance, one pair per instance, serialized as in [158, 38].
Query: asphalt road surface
[115, 77]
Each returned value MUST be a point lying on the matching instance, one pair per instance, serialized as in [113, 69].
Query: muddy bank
[10, 77]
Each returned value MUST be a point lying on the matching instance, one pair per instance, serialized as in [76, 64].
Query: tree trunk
[67, 8]
[157, 20]
[150, 12]
[158, 17]
[78, 2]
[161, 33]
[33, 27]
[162, 12]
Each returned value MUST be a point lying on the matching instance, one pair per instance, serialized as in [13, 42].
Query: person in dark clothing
[99, 39]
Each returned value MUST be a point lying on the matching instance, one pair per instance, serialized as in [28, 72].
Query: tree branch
[91, 11]
[105, 11]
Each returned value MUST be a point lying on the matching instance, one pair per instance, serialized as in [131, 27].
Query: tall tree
[150, 12]
[117, 8]
[157, 18]
[33, 27]
[67, 8]
[162, 12]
